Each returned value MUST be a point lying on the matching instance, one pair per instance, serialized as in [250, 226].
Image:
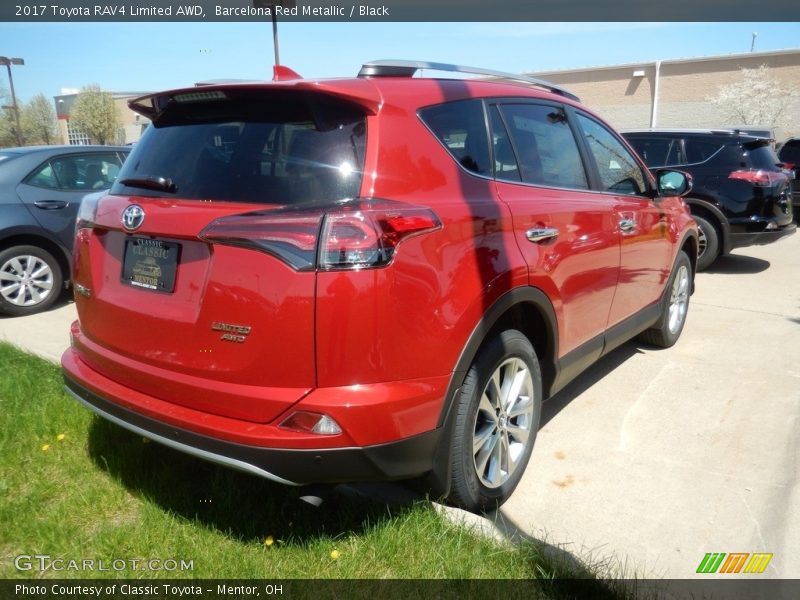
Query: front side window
[619, 172]
[461, 128]
[545, 148]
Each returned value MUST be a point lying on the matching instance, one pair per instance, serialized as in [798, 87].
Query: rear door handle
[51, 204]
[541, 234]
[627, 225]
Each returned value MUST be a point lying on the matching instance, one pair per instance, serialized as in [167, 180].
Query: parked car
[740, 194]
[40, 190]
[789, 155]
[371, 278]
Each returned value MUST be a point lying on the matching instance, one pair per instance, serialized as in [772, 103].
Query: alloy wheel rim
[679, 299]
[25, 280]
[702, 242]
[503, 423]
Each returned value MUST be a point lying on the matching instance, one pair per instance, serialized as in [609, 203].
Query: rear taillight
[355, 235]
[289, 235]
[87, 212]
[759, 177]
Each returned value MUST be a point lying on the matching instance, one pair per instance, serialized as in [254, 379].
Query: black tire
[676, 306]
[30, 280]
[480, 488]
[709, 243]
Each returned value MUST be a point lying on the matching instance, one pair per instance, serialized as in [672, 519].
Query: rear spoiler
[361, 92]
[758, 142]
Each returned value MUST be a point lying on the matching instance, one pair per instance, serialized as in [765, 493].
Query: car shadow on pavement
[587, 379]
[601, 577]
[243, 506]
[732, 264]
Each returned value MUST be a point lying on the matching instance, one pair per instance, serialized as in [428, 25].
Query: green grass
[103, 493]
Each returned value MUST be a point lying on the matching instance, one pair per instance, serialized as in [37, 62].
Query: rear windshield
[273, 147]
[761, 156]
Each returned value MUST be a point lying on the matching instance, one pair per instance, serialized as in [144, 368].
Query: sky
[142, 57]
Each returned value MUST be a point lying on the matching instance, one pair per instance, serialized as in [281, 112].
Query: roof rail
[407, 68]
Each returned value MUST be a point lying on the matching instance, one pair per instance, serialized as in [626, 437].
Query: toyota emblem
[133, 217]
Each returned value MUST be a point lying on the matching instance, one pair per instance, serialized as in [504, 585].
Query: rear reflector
[759, 177]
[354, 235]
[309, 422]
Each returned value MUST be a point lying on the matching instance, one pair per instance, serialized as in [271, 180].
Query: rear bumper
[402, 459]
[760, 238]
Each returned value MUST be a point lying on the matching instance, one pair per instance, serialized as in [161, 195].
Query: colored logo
[736, 562]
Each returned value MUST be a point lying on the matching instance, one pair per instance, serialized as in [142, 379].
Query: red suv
[371, 278]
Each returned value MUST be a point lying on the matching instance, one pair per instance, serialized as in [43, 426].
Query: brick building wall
[131, 124]
[685, 87]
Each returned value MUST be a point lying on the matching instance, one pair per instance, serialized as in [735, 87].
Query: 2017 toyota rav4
[371, 278]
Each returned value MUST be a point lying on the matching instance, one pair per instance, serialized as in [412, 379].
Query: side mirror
[673, 183]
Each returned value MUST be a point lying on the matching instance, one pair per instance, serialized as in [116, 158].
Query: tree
[95, 113]
[758, 98]
[39, 121]
[8, 126]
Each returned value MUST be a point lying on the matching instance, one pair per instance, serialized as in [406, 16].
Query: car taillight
[288, 235]
[87, 212]
[354, 235]
[759, 177]
[369, 236]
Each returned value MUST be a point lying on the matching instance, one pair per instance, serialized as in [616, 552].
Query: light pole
[4, 60]
[272, 4]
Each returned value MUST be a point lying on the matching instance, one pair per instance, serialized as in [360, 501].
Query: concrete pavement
[45, 334]
[653, 458]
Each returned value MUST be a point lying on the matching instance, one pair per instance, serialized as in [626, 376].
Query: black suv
[789, 154]
[741, 193]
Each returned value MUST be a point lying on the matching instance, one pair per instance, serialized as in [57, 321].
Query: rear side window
[659, 152]
[461, 128]
[269, 148]
[77, 172]
[506, 167]
[698, 152]
[543, 143]
[762, 156]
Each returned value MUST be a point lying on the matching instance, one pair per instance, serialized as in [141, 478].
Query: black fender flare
[439, 478]
[725, 228]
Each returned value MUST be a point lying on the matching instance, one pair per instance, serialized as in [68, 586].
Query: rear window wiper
[161, 184]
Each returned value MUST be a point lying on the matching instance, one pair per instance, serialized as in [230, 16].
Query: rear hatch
[761, 175]
[198, 267]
